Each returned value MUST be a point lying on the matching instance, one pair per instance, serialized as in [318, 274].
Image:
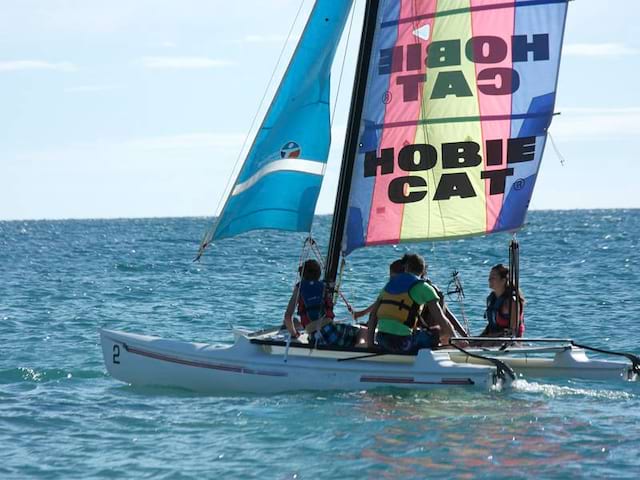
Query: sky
[140, 108]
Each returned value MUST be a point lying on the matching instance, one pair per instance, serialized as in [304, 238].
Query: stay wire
[206, 240]
[555, 149]
[338, 89]
[316, 251]
[313, 246]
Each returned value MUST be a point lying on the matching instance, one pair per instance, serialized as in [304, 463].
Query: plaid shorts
[336, 335]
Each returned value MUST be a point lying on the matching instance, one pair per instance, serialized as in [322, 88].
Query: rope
[309, 238]
[301, 264]
[208, 236]
[335, 102]
[313, 247]
[344, 59]
[555, 149]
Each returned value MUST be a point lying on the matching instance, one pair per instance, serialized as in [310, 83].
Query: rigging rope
[344, 59]
[338, 88]
[206, 240]
[313, 246]
[555, 149]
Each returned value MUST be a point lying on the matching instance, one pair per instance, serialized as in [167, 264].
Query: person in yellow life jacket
[397, 312]
[315, 309]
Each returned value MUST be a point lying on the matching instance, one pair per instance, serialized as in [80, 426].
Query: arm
[288, 314]
[446, 329]
[372, 324]
[366, 311]
[454, 321]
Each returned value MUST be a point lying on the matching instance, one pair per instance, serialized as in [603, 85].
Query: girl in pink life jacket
[499, 303]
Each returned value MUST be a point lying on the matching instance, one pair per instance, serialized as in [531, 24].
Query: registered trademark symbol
[386, 98]
[519, 184]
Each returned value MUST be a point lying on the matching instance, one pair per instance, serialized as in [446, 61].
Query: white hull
[264, 364]
[247, 367]
[566, 362]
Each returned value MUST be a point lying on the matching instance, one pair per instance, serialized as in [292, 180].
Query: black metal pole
[351, 141]
[514, 283]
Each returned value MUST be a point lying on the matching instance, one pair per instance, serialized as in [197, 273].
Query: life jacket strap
[401, 304]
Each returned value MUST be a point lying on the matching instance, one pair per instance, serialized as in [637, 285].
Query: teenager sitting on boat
[315, 309]
[397, 312]
[504, 316]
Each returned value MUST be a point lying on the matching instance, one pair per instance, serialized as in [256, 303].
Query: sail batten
[475, 8]
[476, 118]
[460, 95]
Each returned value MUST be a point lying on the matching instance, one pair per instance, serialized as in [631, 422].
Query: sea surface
[63, 417]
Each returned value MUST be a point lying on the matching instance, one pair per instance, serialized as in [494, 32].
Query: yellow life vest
[399, 306]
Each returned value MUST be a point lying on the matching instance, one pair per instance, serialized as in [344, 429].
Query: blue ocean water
[62, 416]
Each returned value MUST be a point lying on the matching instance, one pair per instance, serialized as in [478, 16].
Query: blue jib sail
[279, 183]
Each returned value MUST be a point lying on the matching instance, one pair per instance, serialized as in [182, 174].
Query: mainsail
[279, 183]
[459, 96]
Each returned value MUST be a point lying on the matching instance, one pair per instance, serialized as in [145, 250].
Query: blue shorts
[406, 344]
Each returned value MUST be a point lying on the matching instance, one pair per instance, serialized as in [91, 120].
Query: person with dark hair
[315, 309]
[397, 312]
[395, 268]
[505, 315]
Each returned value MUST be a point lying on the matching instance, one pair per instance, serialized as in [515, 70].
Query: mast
[351, 141]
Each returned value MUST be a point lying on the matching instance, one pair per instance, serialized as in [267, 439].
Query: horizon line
[211, 218]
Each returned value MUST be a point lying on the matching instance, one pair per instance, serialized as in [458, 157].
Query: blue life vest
[312, 303]
[496, 319]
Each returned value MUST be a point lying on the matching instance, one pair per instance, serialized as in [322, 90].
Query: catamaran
[449, 115]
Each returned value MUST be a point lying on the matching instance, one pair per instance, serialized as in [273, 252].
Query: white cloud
[183, 62]
[596, 123]
[16, 65]
[599, 49]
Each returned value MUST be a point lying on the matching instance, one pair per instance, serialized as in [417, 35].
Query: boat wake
[28, 374]
[553, 391]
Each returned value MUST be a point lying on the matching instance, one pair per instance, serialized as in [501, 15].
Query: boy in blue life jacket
[397, 314]
[315, 309]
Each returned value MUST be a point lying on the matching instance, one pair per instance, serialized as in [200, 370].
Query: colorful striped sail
[279, 183]
[459, 97]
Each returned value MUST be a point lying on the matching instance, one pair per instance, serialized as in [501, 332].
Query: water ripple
[61, 416]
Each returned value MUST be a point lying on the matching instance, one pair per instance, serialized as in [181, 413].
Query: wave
[28, 374]
[550, 390]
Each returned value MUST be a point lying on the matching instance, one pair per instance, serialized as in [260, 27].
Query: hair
[503, 271]
[414, 263]
[310, 270]
[396, 267]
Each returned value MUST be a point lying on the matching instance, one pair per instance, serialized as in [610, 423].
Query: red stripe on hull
[212, 366]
